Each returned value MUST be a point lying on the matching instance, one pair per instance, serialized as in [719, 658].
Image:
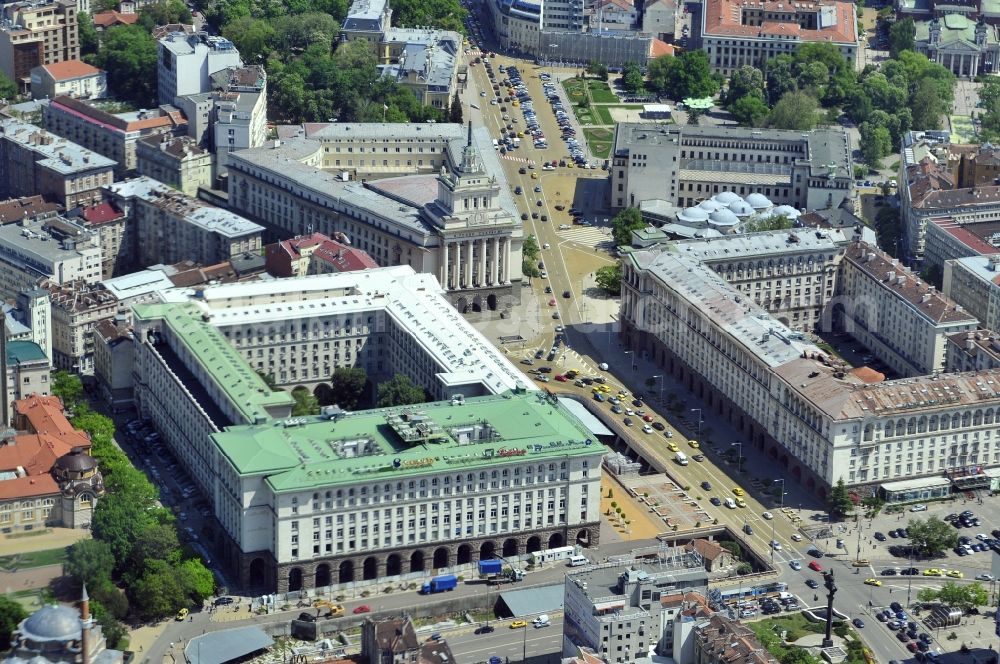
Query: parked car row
[577, 153]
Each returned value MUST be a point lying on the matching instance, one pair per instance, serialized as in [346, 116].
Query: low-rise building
[186, 62]
[962, 45]
[36, 33]
[17, 210]
[77, 308]
[169, 226]
[616, 609]
[177, 161]
[425, 62]
[748, 32]
[109, 18]
[683, 165]
[314, 254]
[53, 249]
[33, 161]
[70, 78]
[726, 641]
[47, 477]
[111, 135]
[395, 641]
[903, 321]
[614, 15]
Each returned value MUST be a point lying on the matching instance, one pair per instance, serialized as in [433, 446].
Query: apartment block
[684, 165]
[198, 360]
[660, 18]
[901, 319]
[749, 32]
[169, 226]
[34, 34]
[114, 346]
[114, 136]
[176, 161]
[77, 308]
[239, 112]
[114, 232]
[33, 161]
[186, 62]
[972, 351]
[29, 318]
[69, 78]
[314, 254]
[973, 284]
[53, 249]
[28, 370]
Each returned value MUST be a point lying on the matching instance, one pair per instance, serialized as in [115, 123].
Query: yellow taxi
[672, 447]
[695, 444]
[738, 491]
[518, 624]
[182, 614]
[605, 389]
[955, 574]
[622, 394]
[873, 582]
[534, 175]
[740, 502]
[597, 389]
[933, 571]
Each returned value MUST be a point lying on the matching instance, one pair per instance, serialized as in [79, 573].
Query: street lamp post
[739, 459]
[698, 410]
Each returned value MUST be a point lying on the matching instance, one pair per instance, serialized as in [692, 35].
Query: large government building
[491, 466]
[431, 196]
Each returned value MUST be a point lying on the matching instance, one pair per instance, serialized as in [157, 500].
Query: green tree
[609, 278]
[11, 614]
[780, 78]
[598, 70]
[89, 42]
[128, 55]
[251, 36]
[444, 14]
[771, 222]
[529, 269]
[797, 656]
[960, 596]
[796, 110]
[750, 111]
[112, 630]
[399, 391]
[157, 591]
[747, 81]
[927, 106]
[931, 535]
[305, 402]
[157, 541]
[530, 248]
[632, 79]
[68, 387]
[873, 505]
[876, 143]
[297, 32]
[686, 75]
[268, 379]
[347, 386]
[164, 12]
[455, 115]
[90, 561]
[838, 501]
[196, 580]
[902, 37]
[624, 223]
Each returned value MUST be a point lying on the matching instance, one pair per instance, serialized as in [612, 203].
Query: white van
[681, 459]
[730, 503]
[541, 621]
[576, 561]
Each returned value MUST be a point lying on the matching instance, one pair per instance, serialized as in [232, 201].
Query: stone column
[444, 268]
[482, 262]
[495, 278]
[458, 265]
[468, 264]
[506, 260]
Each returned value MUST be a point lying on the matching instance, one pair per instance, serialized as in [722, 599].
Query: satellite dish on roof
[588, 442]
[396, 463]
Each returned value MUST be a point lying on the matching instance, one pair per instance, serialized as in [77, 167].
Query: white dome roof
[710, 205]
[786, 211]
[741, 208]
[723, 217]
[52, 623]
[708, 232]
[759, 201]
[727, 197]
[693, 214]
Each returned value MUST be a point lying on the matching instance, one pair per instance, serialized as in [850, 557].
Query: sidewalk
[52, 538]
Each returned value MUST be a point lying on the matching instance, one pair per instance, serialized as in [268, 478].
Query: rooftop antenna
[469, 143]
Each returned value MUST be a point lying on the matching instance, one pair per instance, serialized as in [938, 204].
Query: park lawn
[576, 90]
[34, 559]
[588, 116]
[599, 141]
[600, 93]
[962, 130]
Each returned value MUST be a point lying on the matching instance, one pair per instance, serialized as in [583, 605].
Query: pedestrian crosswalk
[592, 236]
[519, 160]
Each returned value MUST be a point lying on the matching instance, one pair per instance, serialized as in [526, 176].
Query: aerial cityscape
[499, 331]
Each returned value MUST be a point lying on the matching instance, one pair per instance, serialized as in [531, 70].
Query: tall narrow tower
[85, 625]
[5, 408]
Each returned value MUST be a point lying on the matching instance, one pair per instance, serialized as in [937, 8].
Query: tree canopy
[626, 221]
[838, 501]
[609, 278]
[399, 391]
[11, 614]
[68, 387]
[686, 75]
[796, 110]
[960, 596]
[347, 386]
[128, 55]
[931, 535]
[902, 36]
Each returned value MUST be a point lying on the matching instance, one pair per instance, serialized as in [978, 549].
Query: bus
[551, 555]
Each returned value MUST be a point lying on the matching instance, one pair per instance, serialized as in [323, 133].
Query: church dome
[741, 208]
[758, 201]
[709, 205]
[52, 623]
[786, 211]
[727, 197]
[76, 461]
[723, 217]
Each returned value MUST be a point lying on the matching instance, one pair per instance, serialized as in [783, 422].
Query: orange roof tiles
[69, 69]
[109, 18]
[659, 47]
[45, 416]
[725, 17]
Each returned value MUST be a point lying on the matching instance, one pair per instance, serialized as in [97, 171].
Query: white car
[985, 577]
[796, 537]
[767, 515]
[629, 411]
[919, 508]
[776, 545]
[982, 538]
[796, 565]
[647, 429]
[603, 366]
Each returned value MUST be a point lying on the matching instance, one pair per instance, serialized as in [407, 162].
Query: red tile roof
[342, 257]
[70, 69]
[725, 17]
[101, 213]
[107, 120]
[659, 47]
[45, 416]
[109, 18]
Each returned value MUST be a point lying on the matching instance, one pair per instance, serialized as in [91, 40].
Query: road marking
[589, 235]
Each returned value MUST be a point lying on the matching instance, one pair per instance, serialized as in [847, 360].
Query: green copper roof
[247, 391]
[954, 27]
[23, 351]
[310, 452]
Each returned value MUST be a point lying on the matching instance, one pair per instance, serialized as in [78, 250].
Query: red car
[364, 608]
[815, 566]
[561, 378]
[647, 417]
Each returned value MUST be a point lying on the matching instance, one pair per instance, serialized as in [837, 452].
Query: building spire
[468, 143]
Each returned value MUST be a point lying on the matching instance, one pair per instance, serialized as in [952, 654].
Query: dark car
[524, 216]
[881, 617]
[880, 537]
[659, 426]
[539, 354]
[889, 572]
[893, 534]
[715, 501]
[858, 622]
[223, 601]
[698, 457]
[706, 485]
[910, 571]
[485, 629]
[544, 369]
[747, 529]
[902, 636]
[567, 294]
[812, 583]
[896, 606]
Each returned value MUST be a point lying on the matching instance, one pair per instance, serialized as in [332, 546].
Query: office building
[750, 32]
[314, 254]
[817, 419]
[33, 161]
[198, 362]
[69, 78]
[77, 308]
[54, 249]
[36, 33]
[563, 15]
[168, 226]
[176, 161]
[962, 45]
[114, 136]
[186, 62]
[460, 225]
[615, 609]
[973, 284]
[47, 478]
[902, 320]
[972, 351]
[684, 165]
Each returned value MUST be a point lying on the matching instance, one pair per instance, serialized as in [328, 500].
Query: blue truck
[439, 584]
[490, 567]
[494, 572]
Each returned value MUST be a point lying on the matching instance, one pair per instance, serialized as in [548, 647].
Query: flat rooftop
[36, 245]
[374, 445]
[601, 583]
[752, 245]
[55, 153]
